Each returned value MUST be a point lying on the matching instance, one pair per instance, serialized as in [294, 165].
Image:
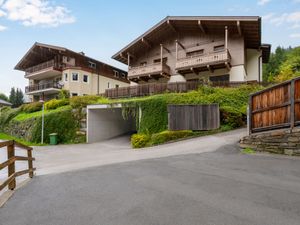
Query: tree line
[284, 64]
[16, 97]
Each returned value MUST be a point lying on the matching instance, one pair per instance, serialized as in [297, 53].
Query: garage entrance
[106, 121]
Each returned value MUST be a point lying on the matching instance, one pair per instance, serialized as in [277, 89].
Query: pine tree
[12, 96]
[16, 97]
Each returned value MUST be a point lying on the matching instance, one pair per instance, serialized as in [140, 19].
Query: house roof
[5, 103]
[40, 53]
[249, 26]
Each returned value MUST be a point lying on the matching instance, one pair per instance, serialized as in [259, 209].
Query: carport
[106, 121]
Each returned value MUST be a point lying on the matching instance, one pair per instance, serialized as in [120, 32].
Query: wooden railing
[155, 68]
[159, 88]
[11, 163]
[40, 87]
[39, 67]
[203, 60]
[275, 107]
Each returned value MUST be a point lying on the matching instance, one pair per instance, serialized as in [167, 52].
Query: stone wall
[283, 141]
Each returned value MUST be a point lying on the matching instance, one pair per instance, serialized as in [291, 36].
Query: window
[66, 77]
[92, 65]
[123, 75]
[222, 78]
[165, 59]
[116, 73]
[74, 94]
[117, 86]
[108, 85]
[143, 63]
[85, 78]
[194, 53]
[219, 48]
[75, 76]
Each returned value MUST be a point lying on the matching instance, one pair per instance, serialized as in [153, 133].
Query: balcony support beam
[239, 28]
[171, 26]
[228, 67]
[194, 71]
[200, 25]
[146, 42]
[210, 69]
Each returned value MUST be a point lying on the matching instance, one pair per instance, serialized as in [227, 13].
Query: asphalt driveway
[223, 187]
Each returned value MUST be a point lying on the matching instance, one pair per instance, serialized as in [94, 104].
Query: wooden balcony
[204, 62]
[147, 72]
[51, 86]
[43, 70]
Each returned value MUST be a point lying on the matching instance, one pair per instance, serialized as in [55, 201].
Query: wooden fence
[193, 117]
[275, 107]
[11, 163]
[159, 88]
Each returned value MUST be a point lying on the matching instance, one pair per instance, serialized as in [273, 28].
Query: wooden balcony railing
[11, 163]
[203, 60]
[39, 67]
[156, 68]
[159, 88]
[40, 87]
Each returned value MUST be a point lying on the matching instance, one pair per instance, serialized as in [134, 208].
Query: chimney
[82, 53]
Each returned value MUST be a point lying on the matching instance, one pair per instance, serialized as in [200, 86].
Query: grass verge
[4, 136]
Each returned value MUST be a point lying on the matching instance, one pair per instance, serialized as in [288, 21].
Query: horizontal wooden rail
[275, 107]
[11, 163]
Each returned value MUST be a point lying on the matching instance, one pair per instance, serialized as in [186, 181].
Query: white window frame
[88, 79]
[77, 77]
[116, 73]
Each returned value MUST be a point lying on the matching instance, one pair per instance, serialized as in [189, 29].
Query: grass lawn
[4, 136]
[24, 116]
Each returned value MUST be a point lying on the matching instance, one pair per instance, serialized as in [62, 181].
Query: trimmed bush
[79, 102]
[167, 135]
[139, 140]
[7, 114]
[54, 103]
[63, 94]
[32, 107]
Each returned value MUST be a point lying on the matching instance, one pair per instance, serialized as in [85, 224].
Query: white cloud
[2, 13]
[292, 19]
[2, 28]
[295, 35]
[37, 12]
[263, 2]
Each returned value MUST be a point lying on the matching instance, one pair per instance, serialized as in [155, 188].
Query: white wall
[106, 123]
[252, 64]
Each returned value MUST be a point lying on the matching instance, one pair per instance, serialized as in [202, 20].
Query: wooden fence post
[11, 167]
[250, 115]
[292, 108]
[30, 164]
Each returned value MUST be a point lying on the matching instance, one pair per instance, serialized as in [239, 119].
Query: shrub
[139, 140]
[7, 114]
[32, 107]
[167, 135]
[54, 103]
[79, 102]
[63, 94]
[232, 117]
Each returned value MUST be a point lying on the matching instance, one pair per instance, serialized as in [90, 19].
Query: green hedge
[55, 103]
[32, 107]
[62, 123]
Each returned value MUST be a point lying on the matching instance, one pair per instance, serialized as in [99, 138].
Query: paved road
[63, 158]
[223, 187]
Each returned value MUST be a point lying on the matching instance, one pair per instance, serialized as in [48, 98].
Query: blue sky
[101, 28]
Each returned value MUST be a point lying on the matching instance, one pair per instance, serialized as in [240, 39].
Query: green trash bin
[53, 139]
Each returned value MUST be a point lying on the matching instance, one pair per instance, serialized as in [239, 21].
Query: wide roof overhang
[247, 26]
[37, 54]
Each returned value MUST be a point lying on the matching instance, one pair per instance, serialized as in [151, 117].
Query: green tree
[16, 97]
[3, 97]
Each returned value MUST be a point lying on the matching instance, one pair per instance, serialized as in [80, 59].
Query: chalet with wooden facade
[197, 48]
[50, 68]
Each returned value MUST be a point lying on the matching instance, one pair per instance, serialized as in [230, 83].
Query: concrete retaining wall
[106, 123]
[284, 141]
